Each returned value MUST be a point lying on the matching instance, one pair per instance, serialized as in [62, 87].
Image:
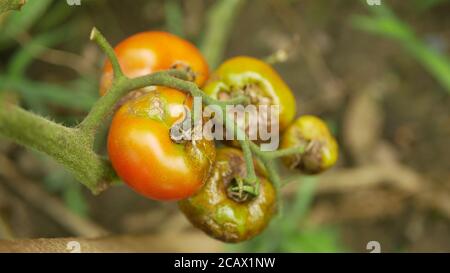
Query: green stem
[120, 87]
[102, 108]
[66, 145]
[251, 175]
[97, 37]
[271, 168]
[286, 152]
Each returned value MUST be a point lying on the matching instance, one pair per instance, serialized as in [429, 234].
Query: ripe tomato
[255, 79]
[321, 147]
[147, 52]
[222, 215]
[144, 155]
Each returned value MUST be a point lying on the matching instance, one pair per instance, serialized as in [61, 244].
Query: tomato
[151, 51]
[223, 215]
[321, 147]
[255, 79]
[145, 156]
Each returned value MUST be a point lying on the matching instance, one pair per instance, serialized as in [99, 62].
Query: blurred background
[378, 74]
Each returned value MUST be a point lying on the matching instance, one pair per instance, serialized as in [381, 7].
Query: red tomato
[147, 52]
[144, 155]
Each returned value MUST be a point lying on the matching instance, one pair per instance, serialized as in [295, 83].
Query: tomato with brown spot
[144, 154]
[223, 215]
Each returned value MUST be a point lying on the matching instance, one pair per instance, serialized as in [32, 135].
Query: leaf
[74, 199]
[384, 22]
[57, 15]
[38, 94]
[314, 240]
[303, 199]
[23, 57]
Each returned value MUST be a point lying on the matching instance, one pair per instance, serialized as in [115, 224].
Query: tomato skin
[221, 217]
[236, 72]
[145, 157]
[147, 52]
[322, 153]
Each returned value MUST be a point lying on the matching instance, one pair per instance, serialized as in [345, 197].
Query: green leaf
[75, 200]
[57, 15]
[385, 23]
[38, 94]
[314, 240]
[24, 56]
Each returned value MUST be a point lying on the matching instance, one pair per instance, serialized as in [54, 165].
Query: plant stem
[269, 164]
[120, 87]
[285, 152]
[109, 51]
[66, 145]
[251, 175]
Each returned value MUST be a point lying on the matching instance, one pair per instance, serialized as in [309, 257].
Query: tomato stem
[66, 145]
[301, 149]
[107, 48]
[267, 159]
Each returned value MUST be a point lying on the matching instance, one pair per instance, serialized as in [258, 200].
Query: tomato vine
[73, 147]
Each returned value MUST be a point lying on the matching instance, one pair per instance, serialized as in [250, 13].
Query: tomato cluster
[193, 171]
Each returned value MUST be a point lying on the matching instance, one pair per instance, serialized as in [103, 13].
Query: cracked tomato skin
[321, 155]
[144, 155]
[237, 72]
[147, 52]
[223, 218]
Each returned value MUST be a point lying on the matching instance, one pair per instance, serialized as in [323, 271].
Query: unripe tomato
[321, 147]
[145, 156]
[215, 211]
[255, 79]
[151, 51]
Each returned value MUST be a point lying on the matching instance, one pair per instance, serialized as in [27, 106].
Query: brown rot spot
[255, 93]
[132, 95]
[182, 66]
[311, 161]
